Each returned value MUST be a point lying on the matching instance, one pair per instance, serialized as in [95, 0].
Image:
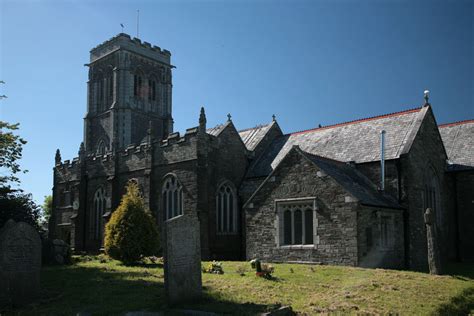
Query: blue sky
[307, 62]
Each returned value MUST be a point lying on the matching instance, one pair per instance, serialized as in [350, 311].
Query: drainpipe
[382, 160]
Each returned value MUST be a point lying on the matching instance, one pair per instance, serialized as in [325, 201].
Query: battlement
[135, 45]
[68, 164]
[176, 138]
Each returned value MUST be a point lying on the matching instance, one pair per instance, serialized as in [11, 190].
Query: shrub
[131, 232]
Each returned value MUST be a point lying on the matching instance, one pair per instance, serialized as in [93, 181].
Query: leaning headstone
[20, 263]
[182, 259]
[56, 252]
[433, 251]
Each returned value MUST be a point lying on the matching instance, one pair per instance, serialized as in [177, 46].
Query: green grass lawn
[112, 288]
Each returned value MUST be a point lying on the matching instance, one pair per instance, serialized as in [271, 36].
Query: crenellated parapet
[68, 170]
[176, 138]
[135, 45]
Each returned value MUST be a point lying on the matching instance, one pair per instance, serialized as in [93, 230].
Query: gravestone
[434, 263]
[182, 259]
[20, 263]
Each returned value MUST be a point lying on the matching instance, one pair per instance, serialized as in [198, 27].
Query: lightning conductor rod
[382, 160]
[138, 23]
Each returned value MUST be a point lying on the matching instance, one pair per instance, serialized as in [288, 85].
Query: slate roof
[458, 139]
[252, 136]
[216, 130]
[357, 141]
[354, 182]
[351, 179]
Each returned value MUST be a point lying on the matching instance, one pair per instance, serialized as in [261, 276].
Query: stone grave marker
[182, 259]
[20, 263]
[434, 262]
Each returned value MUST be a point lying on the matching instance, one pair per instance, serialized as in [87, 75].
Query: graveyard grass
[109, 287]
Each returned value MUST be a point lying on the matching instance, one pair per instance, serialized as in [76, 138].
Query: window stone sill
[297, 247]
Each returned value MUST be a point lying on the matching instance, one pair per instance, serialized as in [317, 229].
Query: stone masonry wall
[296, 177]
[226, 162]
[427, 151]
[372, 171]
[465, 204]
[372, 252]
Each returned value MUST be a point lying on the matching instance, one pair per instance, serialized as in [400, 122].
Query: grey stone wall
[372, 171]
[336, 218]
[427, 151]
[372, 253]
[226, 161]
[465, 204]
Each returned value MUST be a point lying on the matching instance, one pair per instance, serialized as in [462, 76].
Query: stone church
[353, 193]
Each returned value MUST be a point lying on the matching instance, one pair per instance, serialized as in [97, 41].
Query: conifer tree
[131, 232]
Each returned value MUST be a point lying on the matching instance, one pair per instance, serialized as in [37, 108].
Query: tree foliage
[14, 204]
[11, 147]
[47, 207]
[19, 206]
[131, 232]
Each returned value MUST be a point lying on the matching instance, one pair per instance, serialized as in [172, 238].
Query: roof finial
[57, 157]
[229, 117]
[274, 117]
[82, 150]
[426, 97]
[202, 120]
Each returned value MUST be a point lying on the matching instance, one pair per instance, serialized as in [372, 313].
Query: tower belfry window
[100, 93]
[137, 85]
[151, 90]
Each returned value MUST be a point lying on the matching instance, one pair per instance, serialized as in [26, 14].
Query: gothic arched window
[137, 85]
[151, 89]
[98, 210]
[431, 195]
[101, 148]
[172, 196]
[98, 91]
[110, 89]
[226, 209]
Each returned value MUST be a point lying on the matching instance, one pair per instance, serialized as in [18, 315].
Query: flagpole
[138, 22]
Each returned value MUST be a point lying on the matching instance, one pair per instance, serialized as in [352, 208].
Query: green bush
[131, 232]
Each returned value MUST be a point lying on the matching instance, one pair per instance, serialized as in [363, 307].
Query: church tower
[129, 87]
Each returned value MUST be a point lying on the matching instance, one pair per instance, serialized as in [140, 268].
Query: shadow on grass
[461, 271]
[68, 290]
[461, 304]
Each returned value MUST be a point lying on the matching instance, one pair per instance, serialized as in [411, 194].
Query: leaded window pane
[308, 229]
[287, 227]
[172, 195]
[298, 228]
[231, 212]
[226, 216]
[165, 207]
